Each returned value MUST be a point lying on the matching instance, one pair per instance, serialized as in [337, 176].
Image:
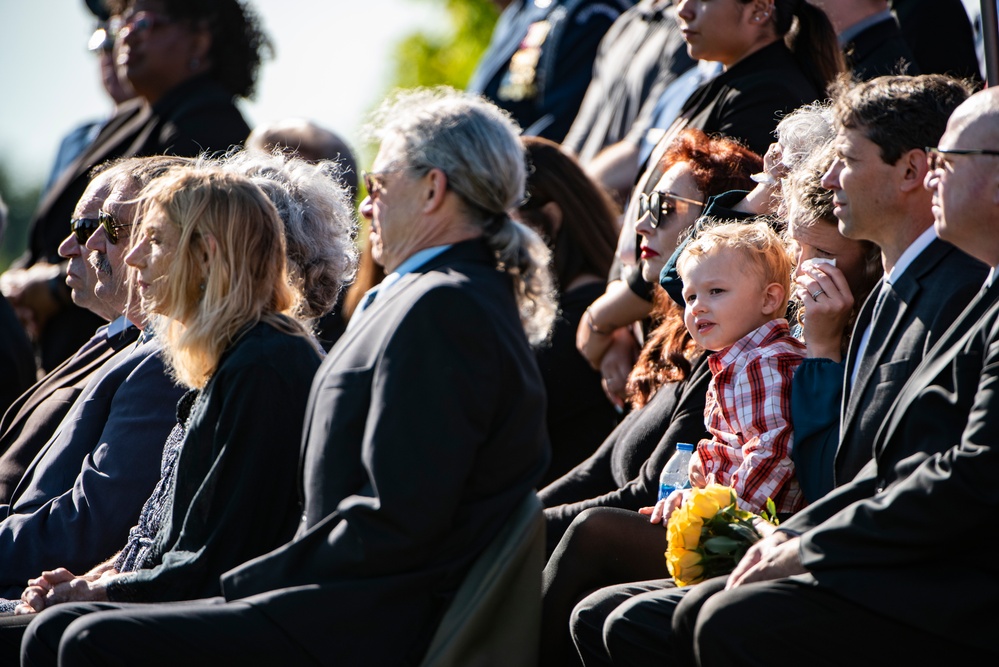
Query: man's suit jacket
[84, 490]
[940, 35]
[880, 50]
[424, 430]
[196, 116]
[908, 537]
[564, 36]
[34, 417]
[932, 293]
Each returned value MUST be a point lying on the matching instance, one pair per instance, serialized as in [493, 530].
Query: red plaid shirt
[748, 413]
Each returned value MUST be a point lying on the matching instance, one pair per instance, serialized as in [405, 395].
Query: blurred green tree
[449, 56]
[21, 199]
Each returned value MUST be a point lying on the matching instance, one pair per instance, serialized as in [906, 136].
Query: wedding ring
[816, 293]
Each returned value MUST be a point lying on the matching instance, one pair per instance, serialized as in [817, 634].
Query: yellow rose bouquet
[708, 534]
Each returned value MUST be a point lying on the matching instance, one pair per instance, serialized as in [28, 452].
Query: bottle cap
[684, 447]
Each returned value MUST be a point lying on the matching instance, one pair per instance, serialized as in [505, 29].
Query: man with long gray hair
[425, 428]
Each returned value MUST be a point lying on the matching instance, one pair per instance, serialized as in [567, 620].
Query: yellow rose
[703, 504]
[684, 566]
[723, 495]
[684, 528]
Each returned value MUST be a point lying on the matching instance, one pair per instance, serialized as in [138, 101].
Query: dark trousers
[796, 621]
[203, 632]
[601, 547]
[628, 624]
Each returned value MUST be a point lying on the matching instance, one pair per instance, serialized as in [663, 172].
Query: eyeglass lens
[83, 228]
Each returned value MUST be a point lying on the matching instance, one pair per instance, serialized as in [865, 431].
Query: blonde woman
[209, 259]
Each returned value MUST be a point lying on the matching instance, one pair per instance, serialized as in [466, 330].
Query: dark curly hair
[239, 44]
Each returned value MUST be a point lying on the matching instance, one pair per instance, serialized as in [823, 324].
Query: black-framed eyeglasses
[83, 228]
[662, 203]
[111, 226]
[938, 156]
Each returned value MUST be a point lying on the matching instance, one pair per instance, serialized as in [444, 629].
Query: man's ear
[914, 167]
[435, 189]
[774, 300]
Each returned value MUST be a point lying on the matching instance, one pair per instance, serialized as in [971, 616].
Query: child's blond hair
[763, 251]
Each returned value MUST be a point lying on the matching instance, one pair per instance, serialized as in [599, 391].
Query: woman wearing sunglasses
[694, 167]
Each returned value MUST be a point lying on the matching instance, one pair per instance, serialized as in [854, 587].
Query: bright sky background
[331, 65]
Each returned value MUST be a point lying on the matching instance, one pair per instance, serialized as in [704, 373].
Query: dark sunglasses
[662, 203]
[83, 228]
[938, 156]
[111, 226]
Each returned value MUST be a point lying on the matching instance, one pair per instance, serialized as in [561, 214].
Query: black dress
[579, 414]
[624, 471]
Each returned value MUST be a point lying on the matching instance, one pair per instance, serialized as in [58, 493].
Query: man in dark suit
[884, 126]
[84, 488]
[424, 429]
[33, 418]
[869, 561]
[540, 60]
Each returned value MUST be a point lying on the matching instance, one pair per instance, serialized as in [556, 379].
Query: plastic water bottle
[676, 472]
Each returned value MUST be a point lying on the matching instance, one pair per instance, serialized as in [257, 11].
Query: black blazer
[940, 35]
[880, 50]
[900, 539]
[674, 414]
[234, 495]
[747, 101]
[932, 292]
[34, 417]
[424, 430]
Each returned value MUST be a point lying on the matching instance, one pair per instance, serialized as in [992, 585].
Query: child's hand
[697, 479]
[665, 507]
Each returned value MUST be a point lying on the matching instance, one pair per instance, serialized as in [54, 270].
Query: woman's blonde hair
[762, 249]
[228, 271]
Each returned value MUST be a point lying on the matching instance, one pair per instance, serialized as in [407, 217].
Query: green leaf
[722, 545]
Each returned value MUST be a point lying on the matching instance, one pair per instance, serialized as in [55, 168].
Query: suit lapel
[936, 362]
[885, 332]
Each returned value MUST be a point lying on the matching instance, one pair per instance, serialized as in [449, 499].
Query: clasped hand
[60, 585]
